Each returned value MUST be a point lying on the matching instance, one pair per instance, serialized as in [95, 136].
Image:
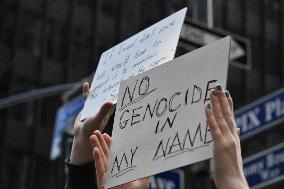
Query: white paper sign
[143, 51]
[159, 121]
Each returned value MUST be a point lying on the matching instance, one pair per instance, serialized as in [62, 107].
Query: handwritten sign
[143, 51]
[159, 121]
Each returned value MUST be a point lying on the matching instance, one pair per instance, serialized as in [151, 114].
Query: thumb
[98, 121]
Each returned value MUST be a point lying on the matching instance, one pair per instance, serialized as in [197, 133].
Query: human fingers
[85, 96]
[86, 90]
[103, 144]
[217, 111]
[77, 125]
[146, 179]
[107, 139]
[96, 144]
[237, 136]
[230, 100]
[144, 182]
[213, 125]
[107, 116]
[226, 110]
[100, 169]
[77, 120]
[98, 122]
[238, 131]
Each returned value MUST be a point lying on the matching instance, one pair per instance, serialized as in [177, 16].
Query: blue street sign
[65, 117]
[261, 114]
[265, 168]
[173, 179]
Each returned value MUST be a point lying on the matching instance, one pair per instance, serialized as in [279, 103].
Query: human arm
[80, 167]
[227, 159]
[82, 150]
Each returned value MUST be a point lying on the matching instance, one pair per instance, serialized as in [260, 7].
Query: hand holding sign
[159, 121]
[145, 50]
[82, 149]
[228, 172]
[101, 144]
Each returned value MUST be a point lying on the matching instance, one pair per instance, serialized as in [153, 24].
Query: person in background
[91, 145]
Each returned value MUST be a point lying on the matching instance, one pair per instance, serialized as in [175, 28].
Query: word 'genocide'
[132, 114]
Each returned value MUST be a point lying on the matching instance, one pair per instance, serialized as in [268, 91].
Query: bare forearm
[234, 183]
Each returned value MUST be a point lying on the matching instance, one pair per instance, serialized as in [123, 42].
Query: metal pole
[35, 94]
[210, 18]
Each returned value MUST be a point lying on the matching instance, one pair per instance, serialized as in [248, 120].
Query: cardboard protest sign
[159, 121]
[141, 52]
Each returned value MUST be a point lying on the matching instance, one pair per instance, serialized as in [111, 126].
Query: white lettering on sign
[273, 160]
[161, 183]
[254, 169]
[274, 108]
[249, 120]
[141, 52]
[159, 121]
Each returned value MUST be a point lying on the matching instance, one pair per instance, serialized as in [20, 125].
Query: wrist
[82, 151]
[233, 183]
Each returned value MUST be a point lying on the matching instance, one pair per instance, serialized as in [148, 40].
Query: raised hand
[101, 144]
[82, 148]
[227, 159]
